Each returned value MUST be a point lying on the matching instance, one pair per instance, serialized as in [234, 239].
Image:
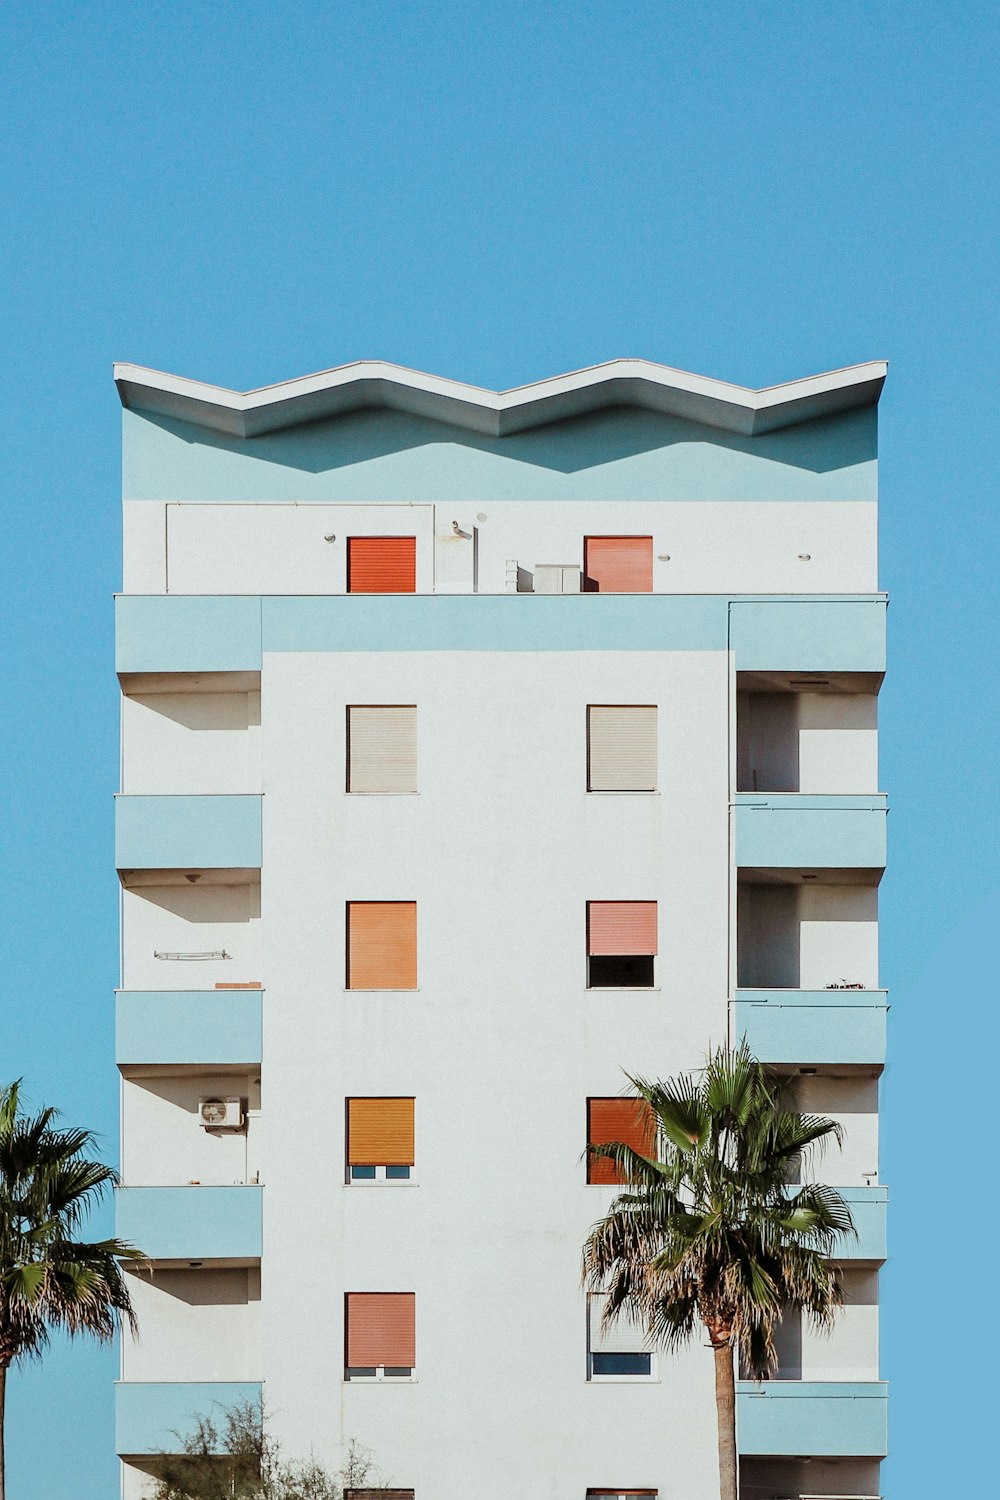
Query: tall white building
[476, 748]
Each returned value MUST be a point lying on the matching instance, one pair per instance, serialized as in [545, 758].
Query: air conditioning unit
[557, 578]
[220, 1114]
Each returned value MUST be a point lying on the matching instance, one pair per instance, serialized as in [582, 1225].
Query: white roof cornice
[619, 382]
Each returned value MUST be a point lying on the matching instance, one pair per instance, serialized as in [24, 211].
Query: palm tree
[711, 1231]
[50, 1278]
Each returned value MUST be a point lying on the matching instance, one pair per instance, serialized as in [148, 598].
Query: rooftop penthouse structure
[477, 747]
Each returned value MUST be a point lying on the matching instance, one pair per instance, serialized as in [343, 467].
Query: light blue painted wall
[819, 1418]
[808, 635]
[176, 833]
[869, 1207]
[181, 633]
[148, 1416]
[794, 831]
[813, 1026]
[618, 454]
[191, 1223]
[156, 633]
[188, 1026]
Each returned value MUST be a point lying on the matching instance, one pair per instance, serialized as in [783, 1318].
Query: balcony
[188, 1028]
[802, 831]
[149, 1415]
[217, 833]
[813, 1027]
[178, 1225]
[825, 1419]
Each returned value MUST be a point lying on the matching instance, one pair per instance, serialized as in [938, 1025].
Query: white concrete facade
[501, 1043]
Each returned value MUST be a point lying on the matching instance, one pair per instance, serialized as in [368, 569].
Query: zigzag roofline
[618, 382]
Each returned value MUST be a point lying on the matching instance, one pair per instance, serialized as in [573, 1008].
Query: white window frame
[380, 1179]
[380, 1375]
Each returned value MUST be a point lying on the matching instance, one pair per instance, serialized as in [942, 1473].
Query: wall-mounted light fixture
[331, 538]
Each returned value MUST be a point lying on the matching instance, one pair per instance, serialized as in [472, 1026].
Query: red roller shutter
[618, 564]
[381, 1330]
[381, 564]
[621, 927]
[627, 1120]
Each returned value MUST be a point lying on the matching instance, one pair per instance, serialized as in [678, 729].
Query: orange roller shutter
[380, 1132]
[618, 564]
[382, 945]
[627, 1120]
[621, 927]
[381, 564]
[381, 1329]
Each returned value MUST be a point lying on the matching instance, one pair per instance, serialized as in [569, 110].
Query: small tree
[710, 1233]
[236, 1456]
[49, 1276]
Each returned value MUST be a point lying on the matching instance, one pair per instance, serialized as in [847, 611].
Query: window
[380, 1335]
[619, 1494]
[619, 1352]
[630, 1121]
[379, 1140]
[618, 565]
[621, 748]
[621, 944]
[381, 945]
[381, 564]
[382, 748]
[384, 1494]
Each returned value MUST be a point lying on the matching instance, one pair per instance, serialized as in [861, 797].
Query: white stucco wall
[195, 743]
[712, 547]
[195, 1325]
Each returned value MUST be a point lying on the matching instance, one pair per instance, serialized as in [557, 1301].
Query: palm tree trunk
[725, 1408]
[3, 1402]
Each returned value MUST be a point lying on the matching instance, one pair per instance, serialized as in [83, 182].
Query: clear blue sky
[500, 192]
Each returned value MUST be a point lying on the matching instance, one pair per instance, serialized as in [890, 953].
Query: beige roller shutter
[621, 747]
[625, 1336]
[382, 748]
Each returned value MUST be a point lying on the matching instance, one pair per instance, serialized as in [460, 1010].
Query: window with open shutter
[380, 1333]
[381, 564]
[381, 945]
[621, 944]
[618, 564]
[379, 1139]
[382, 748]
[630, 1121]
[621, 747]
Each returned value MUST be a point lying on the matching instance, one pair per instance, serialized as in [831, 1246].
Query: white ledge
[619, 382]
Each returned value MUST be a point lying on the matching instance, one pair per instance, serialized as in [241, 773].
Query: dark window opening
[620, 971]
[621, 1364]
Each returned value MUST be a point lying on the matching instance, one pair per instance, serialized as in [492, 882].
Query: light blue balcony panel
[795, 830]
[188, 833]
[192, 1223]
[868, 1207]
[188, 1027]
[150, 1415]
[169, 633]
[815, 1419]
[809, 635]
[810, 1027]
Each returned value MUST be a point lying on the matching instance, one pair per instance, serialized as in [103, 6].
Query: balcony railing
[821, 1419]
[149, 1415]
[192, 1223]
[187, 833]
[797, 830]
[813, 1027]
[188, 1027]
